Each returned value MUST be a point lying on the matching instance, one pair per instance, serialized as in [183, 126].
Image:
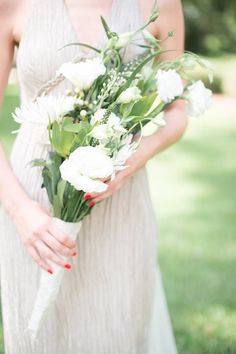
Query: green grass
[194, 192]
[193, 186]
[225, 68]
[7, 124]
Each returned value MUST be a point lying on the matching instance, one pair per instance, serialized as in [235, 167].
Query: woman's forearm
[176, 123]
[12, 195]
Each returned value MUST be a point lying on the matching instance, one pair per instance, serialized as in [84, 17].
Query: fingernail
[68, 266]
[74, 254]
[87, 196]
[90, 204]
[50, 271]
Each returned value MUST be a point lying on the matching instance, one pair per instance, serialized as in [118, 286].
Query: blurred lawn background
[193, 186]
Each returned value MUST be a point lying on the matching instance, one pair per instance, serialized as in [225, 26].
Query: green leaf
[141, 107]
[62, 141]
[72, 127]
[106, 27]
[84, 129]
[47, 183]
[157, 110]
[60, 190]
[126, 108]
[56, 206]
[54, 168]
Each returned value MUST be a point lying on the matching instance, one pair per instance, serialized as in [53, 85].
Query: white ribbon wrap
[50, 283]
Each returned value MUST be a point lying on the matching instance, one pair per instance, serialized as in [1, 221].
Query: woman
[111, 301]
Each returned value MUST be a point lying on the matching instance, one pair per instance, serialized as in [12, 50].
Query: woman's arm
[41, 238]
[171, 19]
[9, 186]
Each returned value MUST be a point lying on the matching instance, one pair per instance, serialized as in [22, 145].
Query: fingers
[46, 252]
[113, 186]
[57, 246]
[94, 195]
[61, 236]
[103, 196]
[37, 258]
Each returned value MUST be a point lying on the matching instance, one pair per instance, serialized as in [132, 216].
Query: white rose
[129, 95]
[45, 108]
[199, 99]
[169, 85]
[85, 166]
[83, 74]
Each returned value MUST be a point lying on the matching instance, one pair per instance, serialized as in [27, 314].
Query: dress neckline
[100, 36]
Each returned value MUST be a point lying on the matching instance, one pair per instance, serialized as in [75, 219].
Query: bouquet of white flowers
[96, 126]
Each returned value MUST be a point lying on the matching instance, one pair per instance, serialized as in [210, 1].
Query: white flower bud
[80, 102]
[77, 90]
[83, 113]
[129, 95]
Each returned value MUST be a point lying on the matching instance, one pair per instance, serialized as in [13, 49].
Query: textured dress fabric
[112, 300]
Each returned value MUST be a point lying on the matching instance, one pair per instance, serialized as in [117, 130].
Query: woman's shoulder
[9, 7]
[161, 4]
[8, 12]
[170, 13]
[12, 14]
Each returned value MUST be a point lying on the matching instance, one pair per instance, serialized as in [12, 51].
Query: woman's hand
[41, 237]
[134, 163]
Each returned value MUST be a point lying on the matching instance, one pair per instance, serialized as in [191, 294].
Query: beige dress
[112, 301]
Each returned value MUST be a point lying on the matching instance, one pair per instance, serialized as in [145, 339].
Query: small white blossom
[83, 113]
[80, 102]
[85, 167]
[101, 132]
[84, 73]
[129, 95]
[113, 119]
[105, 131]
[98, 116]
[199, 99]
[77, 90]
[169, 85]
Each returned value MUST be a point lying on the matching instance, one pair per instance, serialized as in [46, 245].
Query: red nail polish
[90, 204]
[50, 271]
[87, 196]
[68, 266]
[74, 254]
